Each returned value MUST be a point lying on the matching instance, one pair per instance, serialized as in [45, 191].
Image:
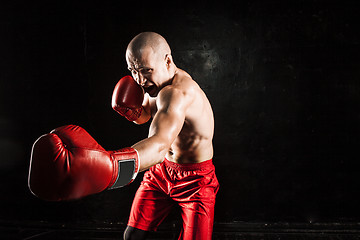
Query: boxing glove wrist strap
[126, 167]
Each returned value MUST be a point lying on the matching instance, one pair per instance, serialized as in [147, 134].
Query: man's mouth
[149, 89]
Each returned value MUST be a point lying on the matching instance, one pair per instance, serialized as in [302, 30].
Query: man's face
[148, 70]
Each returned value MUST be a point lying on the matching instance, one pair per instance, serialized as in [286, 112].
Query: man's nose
[141, 80]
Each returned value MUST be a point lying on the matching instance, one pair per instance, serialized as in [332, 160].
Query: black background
[283, 78]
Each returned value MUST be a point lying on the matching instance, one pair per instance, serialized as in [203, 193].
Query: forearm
[144, 117]
[152, 151]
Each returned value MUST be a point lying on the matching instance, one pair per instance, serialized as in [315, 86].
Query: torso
[194, 143]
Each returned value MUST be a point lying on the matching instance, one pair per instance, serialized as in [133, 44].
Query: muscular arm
[172, 104]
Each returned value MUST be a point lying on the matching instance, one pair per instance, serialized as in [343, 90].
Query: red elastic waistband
[190, 166]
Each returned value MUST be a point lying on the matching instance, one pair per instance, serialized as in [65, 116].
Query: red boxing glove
[69, 164]
[127, 98]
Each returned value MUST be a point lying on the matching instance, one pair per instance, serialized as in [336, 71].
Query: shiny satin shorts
[192, 186]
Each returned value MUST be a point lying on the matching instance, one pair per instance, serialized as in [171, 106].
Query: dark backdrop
[283, 79]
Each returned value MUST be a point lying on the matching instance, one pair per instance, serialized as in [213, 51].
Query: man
[68, 164]
[179, 146]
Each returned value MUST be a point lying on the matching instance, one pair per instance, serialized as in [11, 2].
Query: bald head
[148, 41]
[149, 60]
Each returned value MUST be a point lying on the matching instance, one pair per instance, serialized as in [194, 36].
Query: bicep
[170, 117]
[166, 126]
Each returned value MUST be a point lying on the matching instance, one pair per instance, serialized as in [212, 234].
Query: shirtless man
[68, 164]
[181, 132]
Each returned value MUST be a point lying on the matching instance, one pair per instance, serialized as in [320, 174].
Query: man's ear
[168, 60]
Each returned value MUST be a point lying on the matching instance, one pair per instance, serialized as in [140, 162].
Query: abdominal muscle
[190, 146]
[181, 156]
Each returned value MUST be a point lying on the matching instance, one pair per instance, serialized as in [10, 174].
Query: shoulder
[180, 92]
[182, 83]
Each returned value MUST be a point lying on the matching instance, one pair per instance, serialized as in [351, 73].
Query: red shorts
[192, 186]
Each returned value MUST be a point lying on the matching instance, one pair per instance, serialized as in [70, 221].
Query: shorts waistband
[208, 164]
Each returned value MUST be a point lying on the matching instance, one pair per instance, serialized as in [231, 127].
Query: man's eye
[147, 70]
